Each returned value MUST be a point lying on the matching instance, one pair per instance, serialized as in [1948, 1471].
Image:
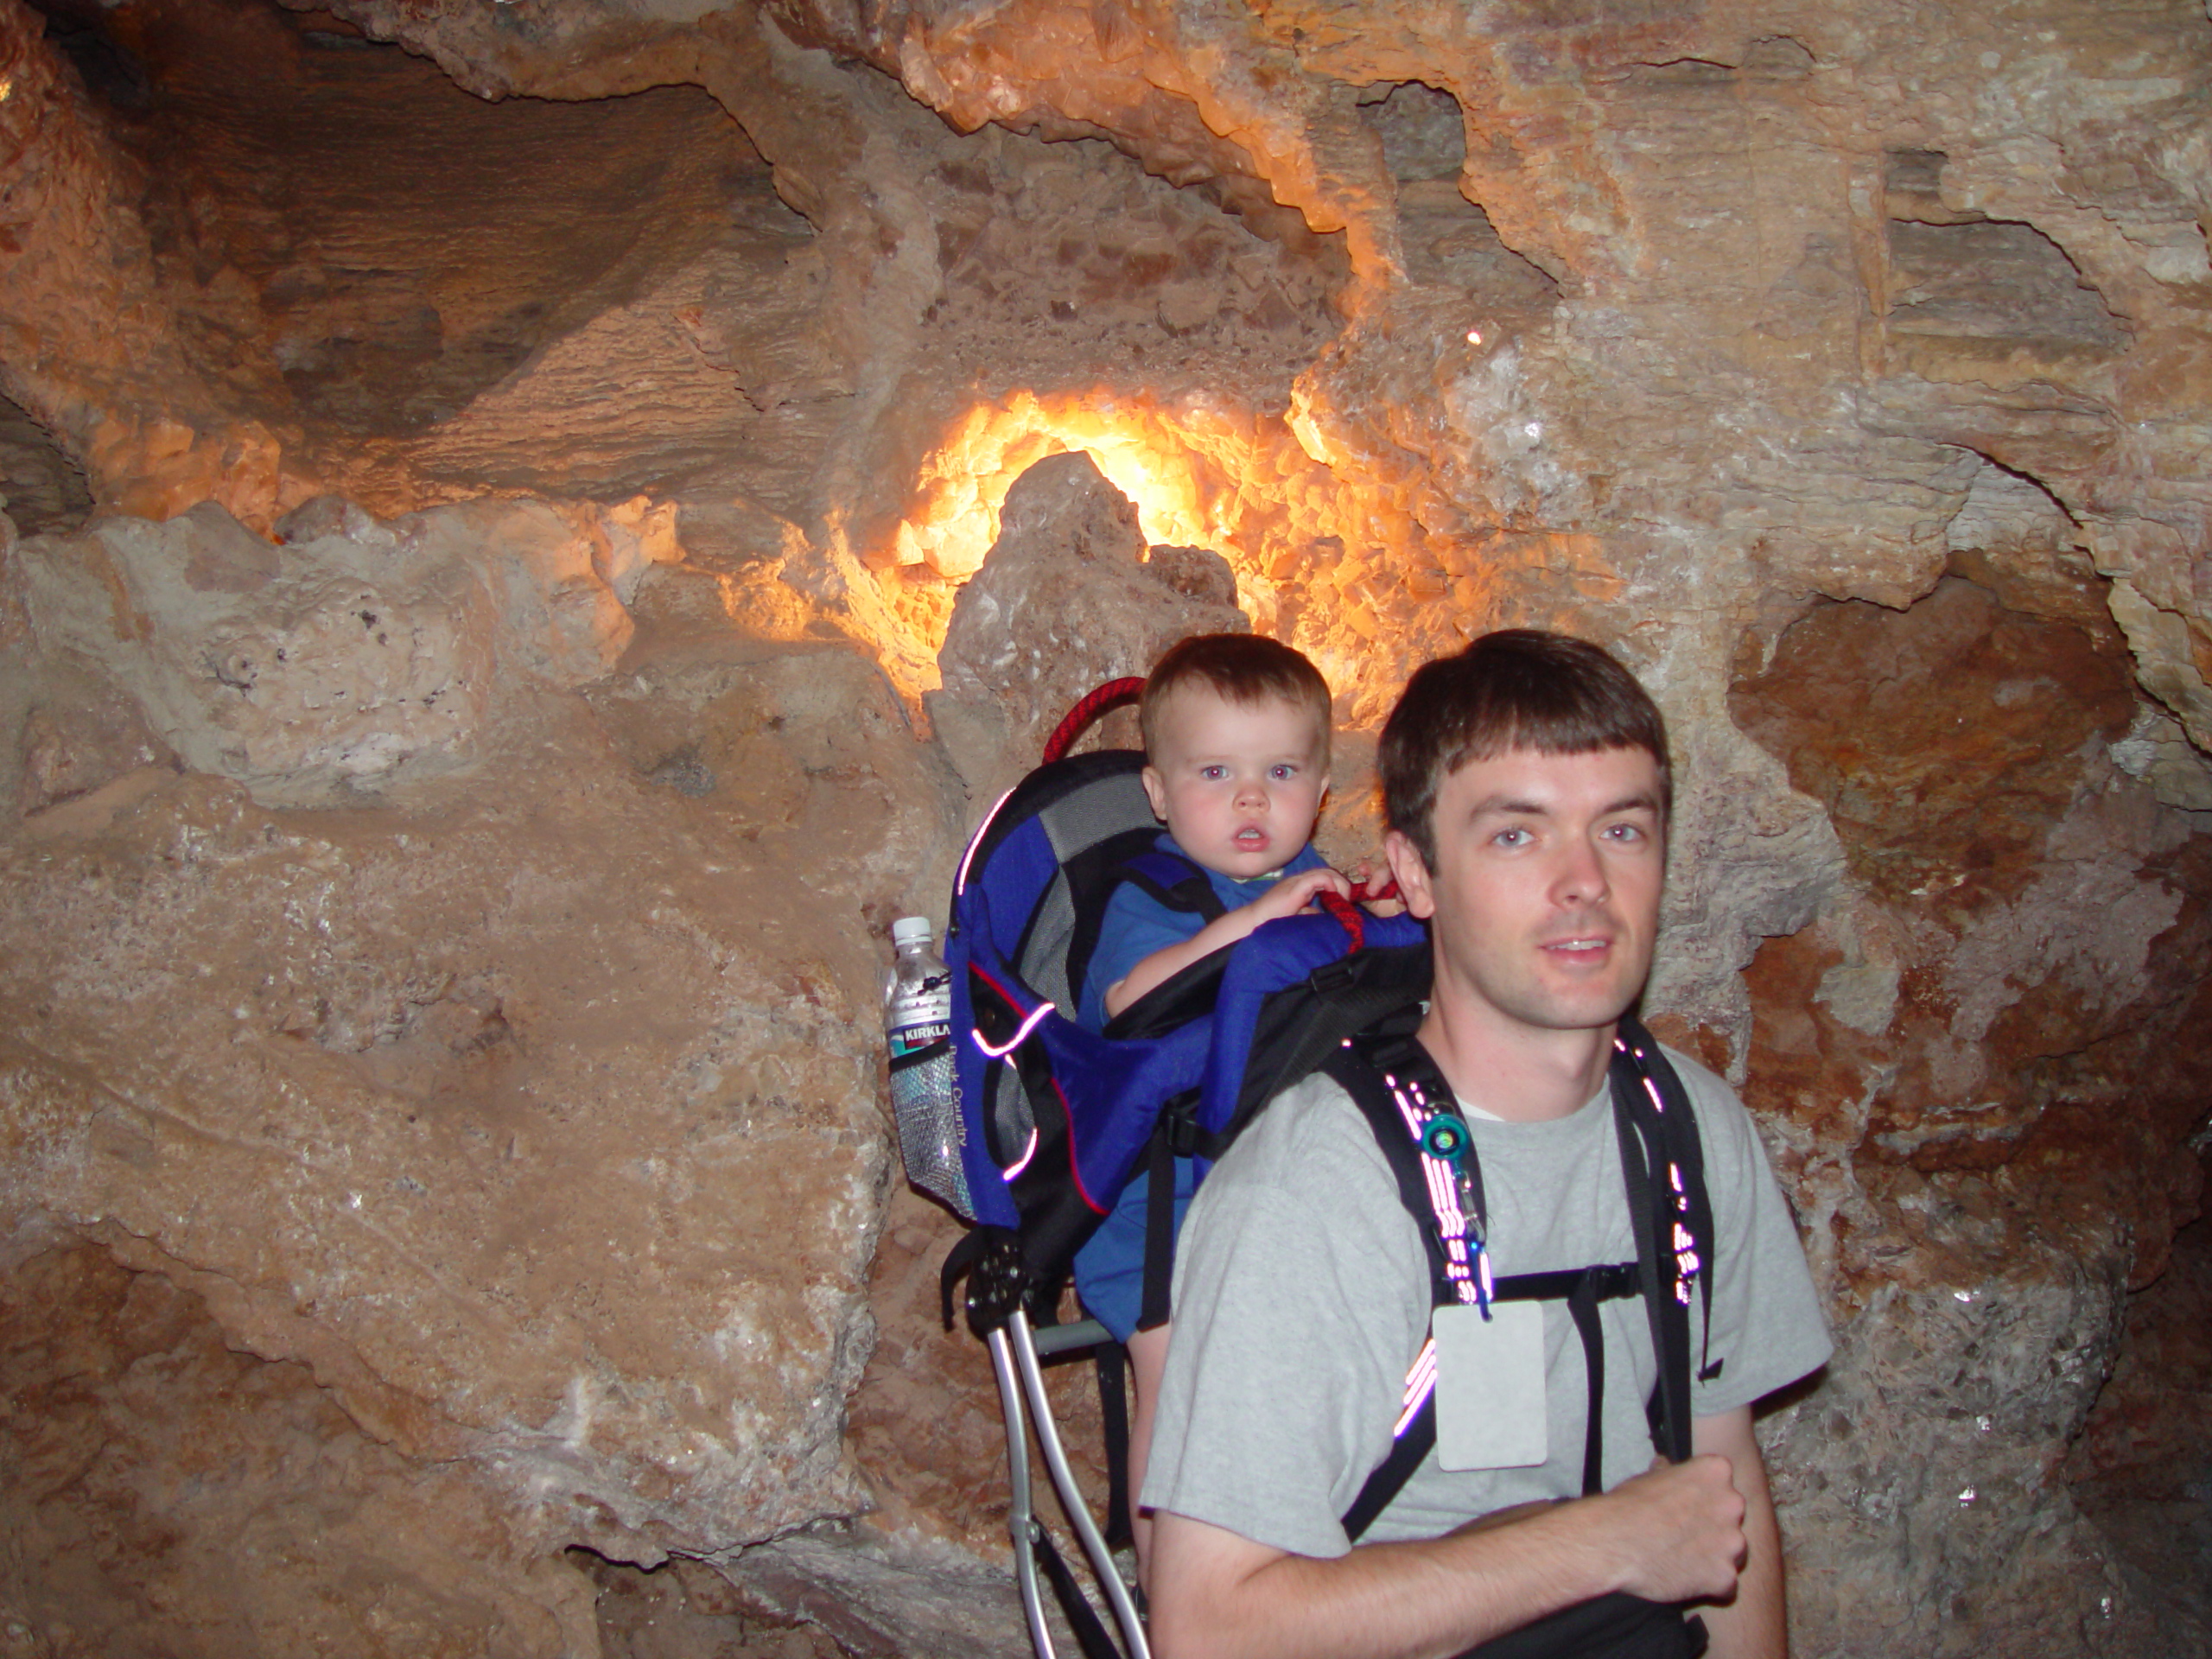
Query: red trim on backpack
[1075, 1168]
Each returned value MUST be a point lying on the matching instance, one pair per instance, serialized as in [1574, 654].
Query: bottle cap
[911, 930]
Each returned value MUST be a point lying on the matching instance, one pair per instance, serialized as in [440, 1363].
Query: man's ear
[1156, 792]
[1406, 863]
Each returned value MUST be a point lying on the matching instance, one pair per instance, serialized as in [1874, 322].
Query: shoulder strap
[1359, 1075]
[1135, 855]
[1672, 1225]
[1662, 1161]
[1415, 1435]
[1173, 880]
[1296, 1031]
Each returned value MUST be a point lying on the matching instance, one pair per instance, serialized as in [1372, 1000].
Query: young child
[1237, 742]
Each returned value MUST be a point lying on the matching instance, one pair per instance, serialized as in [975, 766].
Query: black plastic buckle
[995, 1282]
[1331, 976]
[1179, 1126]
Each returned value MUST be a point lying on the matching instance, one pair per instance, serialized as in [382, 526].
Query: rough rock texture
[513, 1111]
[1067, 599]
[667, 367]
[40, 488]
[2150, 1493]
[349, 657]
[114, 1518]
[1982, 1061]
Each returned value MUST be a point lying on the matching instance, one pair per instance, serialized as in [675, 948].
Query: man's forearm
[1755, 1626]
[1669, 1535]
[1381, 1601]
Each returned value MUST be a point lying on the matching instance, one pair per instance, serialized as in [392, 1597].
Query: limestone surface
[1068, 598]
[514, 1131]
[439, 1047]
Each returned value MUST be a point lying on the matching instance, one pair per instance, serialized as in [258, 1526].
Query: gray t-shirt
[1302, 1296]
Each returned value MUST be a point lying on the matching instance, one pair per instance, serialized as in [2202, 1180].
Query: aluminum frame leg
[1021, 1520]
[1071, 1500]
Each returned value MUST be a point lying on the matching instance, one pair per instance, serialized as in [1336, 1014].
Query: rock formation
[497, 616]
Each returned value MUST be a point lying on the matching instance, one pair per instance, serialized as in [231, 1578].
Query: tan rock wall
[476, 1019]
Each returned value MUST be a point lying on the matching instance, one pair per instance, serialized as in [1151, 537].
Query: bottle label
[913, 1039]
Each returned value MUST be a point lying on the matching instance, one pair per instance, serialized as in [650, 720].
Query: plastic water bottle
[924, 1091]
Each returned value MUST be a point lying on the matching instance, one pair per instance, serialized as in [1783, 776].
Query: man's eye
[1624, 833]
[1511, 838]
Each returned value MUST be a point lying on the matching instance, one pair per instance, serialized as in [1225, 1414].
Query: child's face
[1238, 785]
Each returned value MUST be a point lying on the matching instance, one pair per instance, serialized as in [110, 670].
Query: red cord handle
[1349, 916]
[1367, 891]
[1112, 694]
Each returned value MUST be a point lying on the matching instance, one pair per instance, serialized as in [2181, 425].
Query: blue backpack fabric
[1056, 1119]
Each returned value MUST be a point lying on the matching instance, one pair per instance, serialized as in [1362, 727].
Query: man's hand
[1677, 1529]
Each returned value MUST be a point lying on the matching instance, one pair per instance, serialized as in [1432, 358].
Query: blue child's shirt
[1136, 925]
[1110, 1268]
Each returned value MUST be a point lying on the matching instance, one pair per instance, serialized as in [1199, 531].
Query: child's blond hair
[1239, 668]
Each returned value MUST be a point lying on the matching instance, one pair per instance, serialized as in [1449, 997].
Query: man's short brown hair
[1239, 668]
[1518, 689]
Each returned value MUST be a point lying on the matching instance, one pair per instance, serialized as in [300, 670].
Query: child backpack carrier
[1055, 1120]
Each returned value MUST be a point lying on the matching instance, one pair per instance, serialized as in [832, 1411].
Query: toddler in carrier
[1237, 748]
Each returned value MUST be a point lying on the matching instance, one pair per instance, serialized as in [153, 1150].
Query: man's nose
[1579, 876]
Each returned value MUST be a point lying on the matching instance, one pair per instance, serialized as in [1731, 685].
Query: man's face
[1544, 902]
[1238, 785]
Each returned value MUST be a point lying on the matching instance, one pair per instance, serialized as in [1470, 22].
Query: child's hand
[1287, 898]
[1294, 894]
[1379, 896]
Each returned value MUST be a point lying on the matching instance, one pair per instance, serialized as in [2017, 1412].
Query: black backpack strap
[1173, 880]
[1662, 1162]
[1301, 1028]
[1388, 1477]
[1670, 1341]
[1357, 1074]
[1582, 1308]
[1364, 1068]
[1111, 1366]
[1688, 1148]
[1090, 1632]
[1133, 856]
[1360, 1075]
[1155, 1306]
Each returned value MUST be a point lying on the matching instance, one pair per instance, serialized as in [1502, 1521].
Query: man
[1526, 791]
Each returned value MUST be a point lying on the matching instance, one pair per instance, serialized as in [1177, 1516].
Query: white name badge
[1490, 1411]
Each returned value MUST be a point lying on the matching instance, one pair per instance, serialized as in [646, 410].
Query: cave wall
[498, 621]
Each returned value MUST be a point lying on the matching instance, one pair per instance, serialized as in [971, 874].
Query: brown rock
[1063, 603]
[1843, 369]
